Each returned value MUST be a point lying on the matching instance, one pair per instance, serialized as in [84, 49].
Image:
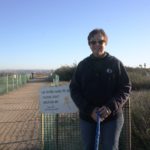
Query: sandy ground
[20, 118]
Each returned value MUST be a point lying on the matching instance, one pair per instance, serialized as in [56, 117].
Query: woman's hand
[104, 112]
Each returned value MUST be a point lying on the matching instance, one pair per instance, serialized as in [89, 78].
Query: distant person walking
[100, 84]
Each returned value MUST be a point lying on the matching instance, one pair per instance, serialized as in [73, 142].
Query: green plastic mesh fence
[62, 131]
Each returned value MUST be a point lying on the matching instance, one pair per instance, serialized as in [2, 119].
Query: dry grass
[140, 109]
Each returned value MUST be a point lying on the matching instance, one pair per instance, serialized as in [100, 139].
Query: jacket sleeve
[76, 92]
[123, 90]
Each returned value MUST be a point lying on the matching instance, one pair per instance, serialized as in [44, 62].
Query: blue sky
[47, 34]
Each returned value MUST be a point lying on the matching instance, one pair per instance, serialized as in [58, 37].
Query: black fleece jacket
[100, 82]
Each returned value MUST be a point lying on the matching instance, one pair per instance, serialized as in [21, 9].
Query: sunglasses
[99, 42]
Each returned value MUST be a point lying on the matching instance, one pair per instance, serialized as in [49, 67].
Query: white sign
[56, 99]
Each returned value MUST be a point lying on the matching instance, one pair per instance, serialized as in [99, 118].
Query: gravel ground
[20, 118]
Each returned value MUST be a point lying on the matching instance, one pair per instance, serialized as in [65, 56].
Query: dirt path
[20, 118]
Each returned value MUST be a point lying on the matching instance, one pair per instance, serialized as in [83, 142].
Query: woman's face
[97, 45]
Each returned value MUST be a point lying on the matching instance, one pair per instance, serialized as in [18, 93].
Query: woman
[100, 83]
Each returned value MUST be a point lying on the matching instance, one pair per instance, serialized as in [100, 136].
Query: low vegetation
[140, 78]
[140, 112]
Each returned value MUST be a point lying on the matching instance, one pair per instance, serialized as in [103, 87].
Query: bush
[140, 78]
[65, 72]
[140, 112]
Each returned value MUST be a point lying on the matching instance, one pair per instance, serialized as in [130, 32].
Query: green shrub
[65, 72]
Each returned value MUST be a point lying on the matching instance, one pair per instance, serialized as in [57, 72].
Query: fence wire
[62, 131]
[11, 82]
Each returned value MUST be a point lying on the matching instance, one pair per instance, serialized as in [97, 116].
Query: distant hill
[28, 71]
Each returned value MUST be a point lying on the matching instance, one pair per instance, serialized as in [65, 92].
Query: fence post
[127, 125]
[17, 80]
[7, 83]
[42, 130]
[13, 86]
[21, 80]
[57, 131]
